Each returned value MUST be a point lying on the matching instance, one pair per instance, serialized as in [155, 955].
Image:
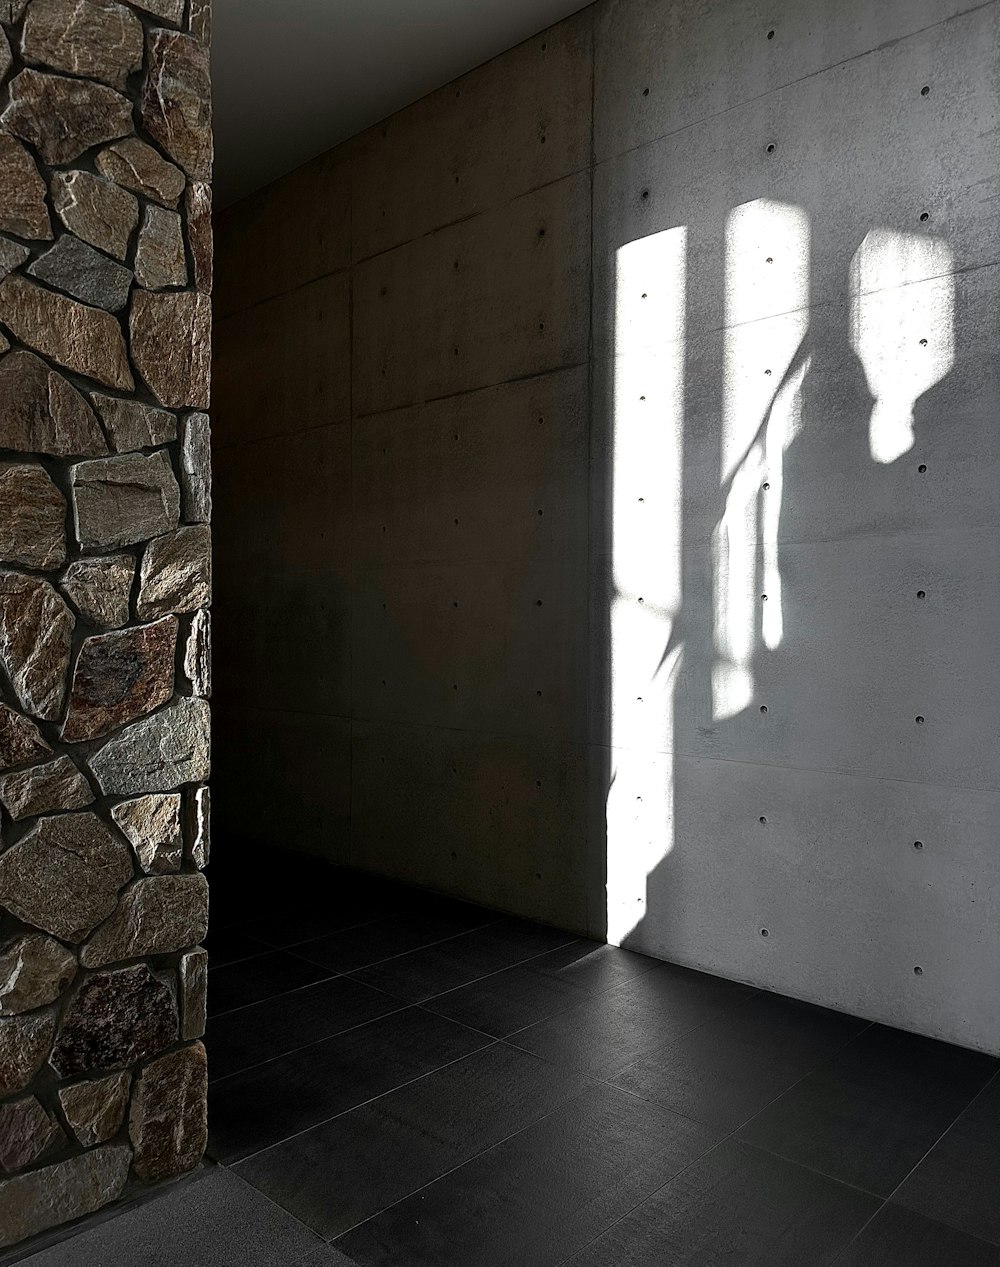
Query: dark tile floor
[402, 1079]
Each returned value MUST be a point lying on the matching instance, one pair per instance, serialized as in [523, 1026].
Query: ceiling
[293, 78]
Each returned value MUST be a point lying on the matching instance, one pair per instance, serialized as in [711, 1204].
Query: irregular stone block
[114, 1020]
[76, 268]
[62, 117]
[12, 11]
[95, 1110]
[176, 101]
[40, 412]
[121, 500]
[199, 825]
[193, 976]
[153, 826]
[34, 970]
[95, 210]
[200, 20]
[198, 654]
[157, 754]
[24, 1044]
[132, 424]
[36, 630]
[176, 573]
[155, 916]
[6, 57]
[198, 205]
[167, 1119]
[84, 339]
[23, 209]
[27, 1133]
[32, 518]
[20, 740]
[196, 468]
[12, 255]
[64, 876]
[119, 677]
[135, 165]
[44, 788]
[68, 1190]
[160, 260]
[166, 10]
[171, 346]
[98, 40]
[101, 589]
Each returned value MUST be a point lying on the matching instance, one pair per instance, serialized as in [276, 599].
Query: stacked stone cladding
[105, 587]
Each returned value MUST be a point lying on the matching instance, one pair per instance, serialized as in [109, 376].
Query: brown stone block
[97, 39]
[63, 117]
[36, 629]
[20, 739]
[168, 1119]
[95, 210]
[171, 338]
[34, 970]
[156, 916]
[23, 209]
[55, 1194]
[40, 412]
[24, 1044]
[177, 101]
[32, 517]
[119, 677]
[114, 1020]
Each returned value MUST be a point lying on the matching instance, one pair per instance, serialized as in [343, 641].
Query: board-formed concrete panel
[497, 297]
[284, 364]
[493, 820]
[847, 887]
[519, 122]
[663, 67]
[294, 231]
[298, 488]
[289, 633]
[465, 478]
[494, 645]
[285, 779]
[832, 207]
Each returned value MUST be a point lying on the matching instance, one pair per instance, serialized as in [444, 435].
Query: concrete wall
[529, 396]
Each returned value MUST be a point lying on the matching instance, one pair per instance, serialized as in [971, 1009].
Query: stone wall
[105, 575]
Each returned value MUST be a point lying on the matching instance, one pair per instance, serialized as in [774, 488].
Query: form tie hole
[645, 296]
[767, 373]
[923, 343]
[771, 147]
[538, 602]
[642, 397]
[925, 91]
[769, 260]
[539, 694]
[918, 971]
[645, 195]
[918, 844]
[763, 819]
[454, 686]
[770, 35]
[541, 231]
[763, 598]
[920, 721]
[922, 468]
[921, 593]
[924, 217]
[454, 856]
[640, 601]
[645, 92]
[766, 486]
[763, 708]
[765, 932]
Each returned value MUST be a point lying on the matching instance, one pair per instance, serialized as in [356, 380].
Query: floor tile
[216, 1219]
[355, 948]
[728, 1070]
[507, 1001]
[251, 1111]
[253, 980]
[593, 966]
[901, 1238]
[733, 1208]
[229, 945]
[958, 1182]
[261, 1031]
[870, 1114]
[422, 974]
[339, 1174]
[608, 1031]
[541, 1193]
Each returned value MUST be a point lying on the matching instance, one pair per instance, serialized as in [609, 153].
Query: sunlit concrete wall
[527, 398]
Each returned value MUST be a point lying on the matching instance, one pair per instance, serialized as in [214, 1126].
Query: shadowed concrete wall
[529, 396]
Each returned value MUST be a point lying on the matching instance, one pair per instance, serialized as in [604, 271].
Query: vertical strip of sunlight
[767, 293]
[902, 328]
[646, 564]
